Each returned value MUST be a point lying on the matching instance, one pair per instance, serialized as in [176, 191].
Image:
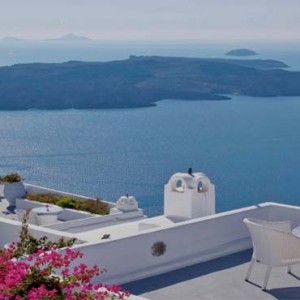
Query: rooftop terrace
[220, 279]
[199, 254]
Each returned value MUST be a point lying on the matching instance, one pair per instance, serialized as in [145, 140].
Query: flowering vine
[50, 274]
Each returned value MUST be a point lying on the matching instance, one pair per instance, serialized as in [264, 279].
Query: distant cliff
[140, 82]
[241, 52]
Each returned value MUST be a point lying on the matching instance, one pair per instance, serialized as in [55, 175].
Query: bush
[44, 198]
[49, 275]
[11, 178]
[67, 202]
[94, 206]
[89, 205]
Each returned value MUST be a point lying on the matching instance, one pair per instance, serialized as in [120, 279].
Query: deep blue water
[249, 147]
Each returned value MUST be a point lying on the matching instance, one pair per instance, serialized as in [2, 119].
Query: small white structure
[127, 203]
[127, 207]
[189, 195]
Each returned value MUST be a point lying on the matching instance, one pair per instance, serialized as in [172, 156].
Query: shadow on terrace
[220, 279]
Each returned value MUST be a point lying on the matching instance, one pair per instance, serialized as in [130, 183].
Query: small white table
[47, 214]
[296, 232]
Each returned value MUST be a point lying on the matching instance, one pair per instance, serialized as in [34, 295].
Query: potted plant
[11, 188]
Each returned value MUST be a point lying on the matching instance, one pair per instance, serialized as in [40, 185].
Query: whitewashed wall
[187, 243]
[10, 232]
[93, 221]
[195, 241]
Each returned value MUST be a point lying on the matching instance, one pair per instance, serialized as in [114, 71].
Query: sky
[152, 19]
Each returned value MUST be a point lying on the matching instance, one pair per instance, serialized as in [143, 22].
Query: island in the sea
[11, 39]
[140, 81]
[241, 52]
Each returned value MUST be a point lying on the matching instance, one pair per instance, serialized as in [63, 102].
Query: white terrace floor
[220, 279]
[3, 206]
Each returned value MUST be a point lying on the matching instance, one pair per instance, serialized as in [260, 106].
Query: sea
[248, 147]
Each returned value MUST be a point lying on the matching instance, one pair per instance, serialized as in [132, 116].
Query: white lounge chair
[273, 245]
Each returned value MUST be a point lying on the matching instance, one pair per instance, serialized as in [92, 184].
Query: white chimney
[189, 195]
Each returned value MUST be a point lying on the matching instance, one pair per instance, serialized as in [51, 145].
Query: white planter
[1, 190]
[12, 191]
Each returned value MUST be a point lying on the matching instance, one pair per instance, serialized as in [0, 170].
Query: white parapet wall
[10, 230]
[76, 221]
[97, 221]
[186, 243]
[135, 255]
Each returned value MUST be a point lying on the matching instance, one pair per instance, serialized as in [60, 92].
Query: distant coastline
[65, 38]
[140, 81]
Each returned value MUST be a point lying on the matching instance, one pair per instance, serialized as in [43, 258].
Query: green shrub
[44, 198]
[94, 206]
[89, 205]
[67, 202]
[11, 178]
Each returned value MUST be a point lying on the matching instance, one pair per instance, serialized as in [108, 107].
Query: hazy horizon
[14, 41]
[164, 20]
[245, 41]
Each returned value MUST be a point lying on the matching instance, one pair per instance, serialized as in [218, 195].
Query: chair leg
[290, 269]
[250, 269]
[266, 278]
